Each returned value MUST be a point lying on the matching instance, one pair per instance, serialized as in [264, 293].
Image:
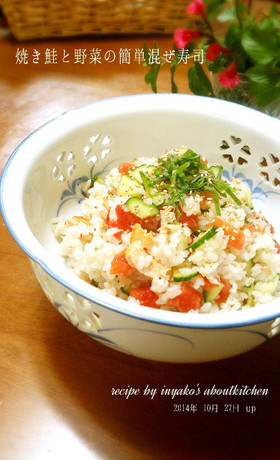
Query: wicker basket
[30, 19]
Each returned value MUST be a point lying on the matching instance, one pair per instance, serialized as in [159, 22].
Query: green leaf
[199, 83]
[264, 75]
[261, 46]
[148, 77]
[155, 71]
[228, 15]
[265, 94]
[219, 64]
[151, 77]
[146, 53]
[213, 8]
[173, 67]
[269, 24]
[274, 12]
[233, 37]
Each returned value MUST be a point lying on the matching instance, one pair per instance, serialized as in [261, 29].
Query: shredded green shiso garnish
[186, 174]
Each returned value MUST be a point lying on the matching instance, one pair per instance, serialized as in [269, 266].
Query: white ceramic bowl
[45, 177]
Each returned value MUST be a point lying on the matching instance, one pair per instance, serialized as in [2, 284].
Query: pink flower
[182, 37]
[229, 77]
[197, 7]
[214, 50]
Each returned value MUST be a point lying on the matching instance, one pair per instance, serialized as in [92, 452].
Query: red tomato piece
[224, 294]
[145, 296]
[189, 299]
[126, 219]
[124, 168]
[237, 241]
[112, 224]
[191, 221]
[118, 235]
[120, 264]
[236, 237]
[151, 224]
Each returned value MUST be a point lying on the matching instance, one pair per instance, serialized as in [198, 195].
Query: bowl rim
[225, 320]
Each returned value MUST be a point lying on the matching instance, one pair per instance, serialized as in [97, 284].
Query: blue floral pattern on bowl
[258, 191]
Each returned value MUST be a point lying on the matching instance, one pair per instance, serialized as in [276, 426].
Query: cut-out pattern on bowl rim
[234, 153]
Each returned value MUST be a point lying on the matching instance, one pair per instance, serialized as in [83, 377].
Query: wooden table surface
[55, 382]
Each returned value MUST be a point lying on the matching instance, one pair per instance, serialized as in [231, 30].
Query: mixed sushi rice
[171, 233]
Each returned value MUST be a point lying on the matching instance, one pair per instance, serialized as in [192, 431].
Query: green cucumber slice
[184, 274]
[129, 186]
[158, 199]
[248, 199]
[212, 294]
[271, 286]
[148, 170]
[141, 209]
[206, 236]
[249, 266]
[250, 300]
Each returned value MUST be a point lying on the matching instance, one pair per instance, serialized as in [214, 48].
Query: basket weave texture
[30, 19]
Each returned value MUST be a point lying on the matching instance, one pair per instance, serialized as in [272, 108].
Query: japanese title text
[97, 56]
